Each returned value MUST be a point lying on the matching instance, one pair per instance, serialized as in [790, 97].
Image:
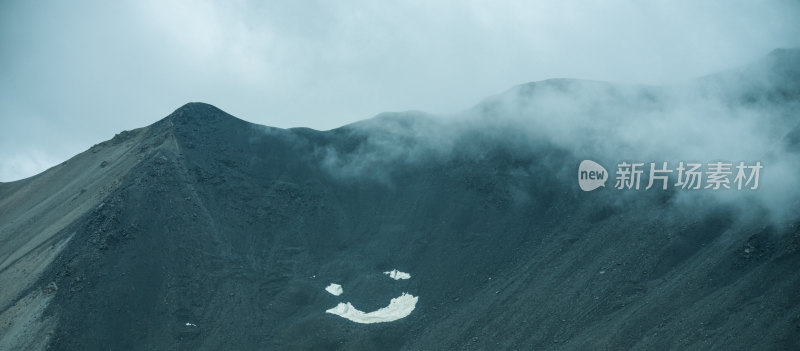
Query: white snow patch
[334, 289]
[397, 275]
[399, 307]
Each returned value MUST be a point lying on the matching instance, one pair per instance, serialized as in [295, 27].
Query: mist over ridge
[743, 114]
[203, 231]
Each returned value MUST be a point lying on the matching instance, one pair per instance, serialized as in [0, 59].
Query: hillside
[204, 231]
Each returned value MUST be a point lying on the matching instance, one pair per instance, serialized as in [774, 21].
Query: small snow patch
[399, 307]
[334, 289]
[397, 275]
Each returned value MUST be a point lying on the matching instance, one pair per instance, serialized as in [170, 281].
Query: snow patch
[334, 289]
[399, 307]
[397, 275]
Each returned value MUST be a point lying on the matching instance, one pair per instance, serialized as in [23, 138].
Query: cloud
[93, 68]
[743, 115]
[22, 165]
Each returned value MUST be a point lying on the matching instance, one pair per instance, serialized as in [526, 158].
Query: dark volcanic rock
[215, 233]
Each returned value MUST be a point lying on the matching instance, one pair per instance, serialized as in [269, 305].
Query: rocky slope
[203, 231]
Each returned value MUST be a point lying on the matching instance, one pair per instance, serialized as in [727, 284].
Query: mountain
[204, 231]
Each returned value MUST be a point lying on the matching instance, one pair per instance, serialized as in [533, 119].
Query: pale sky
[73, 74]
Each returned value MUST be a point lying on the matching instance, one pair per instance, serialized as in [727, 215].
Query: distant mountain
[204, 231]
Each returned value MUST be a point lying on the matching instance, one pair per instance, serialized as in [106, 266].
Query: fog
[747, 114]
[76, 73]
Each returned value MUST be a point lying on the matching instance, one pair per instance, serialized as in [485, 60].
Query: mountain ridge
[204, 231]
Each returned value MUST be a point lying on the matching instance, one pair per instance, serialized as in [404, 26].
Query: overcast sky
[74, 73]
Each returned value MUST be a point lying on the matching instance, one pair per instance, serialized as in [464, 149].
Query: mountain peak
[784, 52]
[784, 62]
[197, 109]
[198, 114]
